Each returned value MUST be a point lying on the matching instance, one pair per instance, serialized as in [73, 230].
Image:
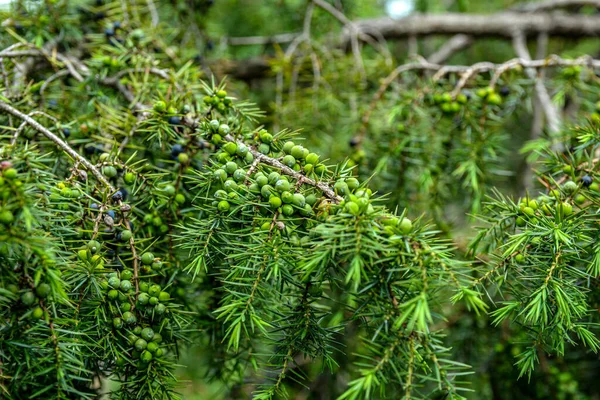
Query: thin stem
[58, 141]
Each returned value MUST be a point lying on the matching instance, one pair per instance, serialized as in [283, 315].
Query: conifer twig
[58, 141]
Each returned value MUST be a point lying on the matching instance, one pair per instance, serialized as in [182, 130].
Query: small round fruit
[287, 210]
[528, 211]
[129, 318]
[140, 344]
[275, 202]
[43, 290]
[519, 258]
[297, 152]
[579, 199]
[299, 200]
[223, 206]
[352, 183]
[143, 298]
[129, 178]
[520, 221]
[125, 306]
[126, 235]
[146, 356]
[147, 258]
[179, 198]
[352, 208]
[405, 225]
[282, 185]
[152, 347]
[157, 265]
[10, 173]
[164, 296]
[224, 129]
[312, 158]
[144, 286]
[569, 187]
[117, 322]
[114, 282]
[37, 313]
[287, 147]
[160, 106]
[6, 217]
[586, 181]
[93, 246]
[289, 160]
[28, 298]
[113, 294]
[109, 171]
[153, 301]
[154, 290]
[147, 333]
[125, 286]
[160, 309]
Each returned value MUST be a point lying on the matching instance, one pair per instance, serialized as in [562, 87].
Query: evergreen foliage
[147, 210]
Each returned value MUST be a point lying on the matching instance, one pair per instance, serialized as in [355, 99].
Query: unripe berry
[113, 294]
[275, 202]
[147, 333]
[297, 152]
[160, 106]
[289, 160]
[37, 313]
[109, 171]
[6, 217]
[140, 344]
[154, 290]
[28, 298]
[405, 226]
[164, 296]
[117, 323]
[147, 258]
[43, 290]
[223, 206]
[287, 147]
[569, 187]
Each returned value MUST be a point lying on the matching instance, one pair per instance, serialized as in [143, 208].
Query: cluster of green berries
[30, 298]
[8, 182]
[449, 105]
[555, 203]
[64, 193]
[489, 95]
[216, 131]
[218, 100]
[149, 309]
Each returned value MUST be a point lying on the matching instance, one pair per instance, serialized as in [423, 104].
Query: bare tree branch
[455, 44]
[58, 141]
[552, 116]
[495, 25]
[262, 40]
[554, 4]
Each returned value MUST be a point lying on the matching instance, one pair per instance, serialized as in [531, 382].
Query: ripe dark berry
[176, 149]
[66, 132]
[118, 196]
[586, 181]
[111, 213]
[109, 32]
[174, 120]
[504, 91]
[117, 25]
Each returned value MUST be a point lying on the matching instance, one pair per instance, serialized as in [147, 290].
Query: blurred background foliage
[442, 163]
